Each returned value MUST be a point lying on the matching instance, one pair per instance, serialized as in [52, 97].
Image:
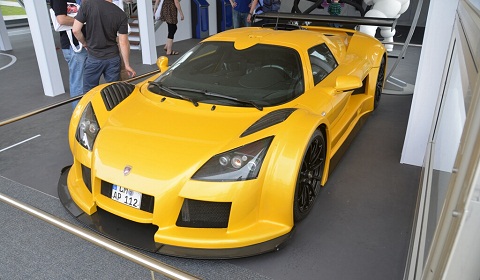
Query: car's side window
[322, 61]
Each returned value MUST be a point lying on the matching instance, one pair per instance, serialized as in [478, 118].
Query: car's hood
[164, 140]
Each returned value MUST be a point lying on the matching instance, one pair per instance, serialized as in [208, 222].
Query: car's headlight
[240, 164]
[88, 128]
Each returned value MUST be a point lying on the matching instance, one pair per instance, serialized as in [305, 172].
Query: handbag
[72, 9]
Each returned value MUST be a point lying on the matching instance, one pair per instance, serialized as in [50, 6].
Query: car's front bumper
[140, 235]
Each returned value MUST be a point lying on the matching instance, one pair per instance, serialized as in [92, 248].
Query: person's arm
[125, 53]
[60, 9]
[65, 20]
[155, 6]
[253, 6]
[179, 8]
[77, 32]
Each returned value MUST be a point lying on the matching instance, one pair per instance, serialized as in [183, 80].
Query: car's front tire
[309, 176]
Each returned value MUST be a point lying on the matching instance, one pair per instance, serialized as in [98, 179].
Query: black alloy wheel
[379, 84]
[310, 177]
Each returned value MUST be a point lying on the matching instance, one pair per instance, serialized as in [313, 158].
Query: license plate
[126, 196]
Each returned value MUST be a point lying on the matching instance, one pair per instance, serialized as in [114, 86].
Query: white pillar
[41, 30]
[438, 32]
[5, 44]
[147, 32]
[212, 17]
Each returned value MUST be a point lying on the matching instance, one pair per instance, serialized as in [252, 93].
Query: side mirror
[344, 83]
[162, 63]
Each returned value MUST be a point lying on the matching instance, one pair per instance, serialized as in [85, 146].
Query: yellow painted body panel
[167, 141]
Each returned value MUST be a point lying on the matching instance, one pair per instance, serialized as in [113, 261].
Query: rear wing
[277, 18]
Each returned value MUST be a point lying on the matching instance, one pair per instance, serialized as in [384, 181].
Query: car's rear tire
[309, 176]
[379, 84]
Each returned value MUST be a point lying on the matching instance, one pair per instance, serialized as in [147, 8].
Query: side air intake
[115, 93]
[268, 120]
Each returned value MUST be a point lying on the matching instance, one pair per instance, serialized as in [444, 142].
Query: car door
[323, 63]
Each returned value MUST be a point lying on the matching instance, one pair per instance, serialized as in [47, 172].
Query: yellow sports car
[220, 154]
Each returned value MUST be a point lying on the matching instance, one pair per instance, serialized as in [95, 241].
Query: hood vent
[115, 93]
[268, 120]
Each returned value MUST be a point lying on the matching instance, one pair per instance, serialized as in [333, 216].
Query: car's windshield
[217, 73]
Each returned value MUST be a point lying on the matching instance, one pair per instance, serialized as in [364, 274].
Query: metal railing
[60, 103]
[409, 37]
[123, 251]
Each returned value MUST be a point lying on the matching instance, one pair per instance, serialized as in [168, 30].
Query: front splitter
[141, 236]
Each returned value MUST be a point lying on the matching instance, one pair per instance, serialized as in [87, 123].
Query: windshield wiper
[173, 92]
[209, 93]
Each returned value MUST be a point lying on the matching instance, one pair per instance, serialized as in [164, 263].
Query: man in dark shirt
[104, 22]
[75, 60]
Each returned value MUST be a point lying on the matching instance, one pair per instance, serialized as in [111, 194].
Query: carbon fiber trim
[268, 120]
